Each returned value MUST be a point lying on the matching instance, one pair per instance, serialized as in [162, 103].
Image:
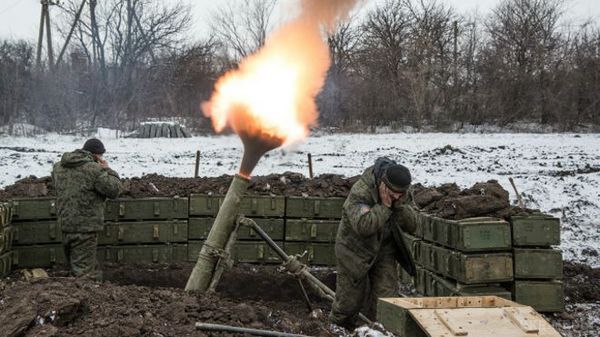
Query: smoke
[271, 96]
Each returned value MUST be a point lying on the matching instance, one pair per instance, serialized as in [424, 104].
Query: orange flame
[272, 93]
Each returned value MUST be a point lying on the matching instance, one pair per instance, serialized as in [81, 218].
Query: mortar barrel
[220, 232]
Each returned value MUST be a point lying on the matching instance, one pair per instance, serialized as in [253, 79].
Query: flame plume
[269, 100]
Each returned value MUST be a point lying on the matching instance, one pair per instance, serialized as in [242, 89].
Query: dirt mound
[154, 185]
[582, 283]
[62, 306]
[30, 187]
[450, 202]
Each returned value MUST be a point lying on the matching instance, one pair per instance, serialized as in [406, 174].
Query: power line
[9, 7]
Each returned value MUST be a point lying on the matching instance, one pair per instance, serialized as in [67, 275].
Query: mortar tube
[219, 234]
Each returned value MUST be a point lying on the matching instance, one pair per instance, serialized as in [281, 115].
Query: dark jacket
[82, 187]
[366, 224]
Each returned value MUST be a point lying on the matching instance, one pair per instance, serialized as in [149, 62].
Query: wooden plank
[455, 329]
[520, 318]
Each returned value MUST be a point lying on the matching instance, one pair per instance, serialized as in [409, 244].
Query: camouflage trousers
[80, 252]
[354, 296]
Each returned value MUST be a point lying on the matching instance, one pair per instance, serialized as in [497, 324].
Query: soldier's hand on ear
[384, 195]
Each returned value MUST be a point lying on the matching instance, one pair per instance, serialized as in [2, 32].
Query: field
[557, 173]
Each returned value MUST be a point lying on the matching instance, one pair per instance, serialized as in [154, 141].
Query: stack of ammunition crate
[6, 239]
[538, 267]
[487, 256]
[37, 237]
[310, 228]
[469, 257]
[267, 211]
[136, 231]
[148, 230]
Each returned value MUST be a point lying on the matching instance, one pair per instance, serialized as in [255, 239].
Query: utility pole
[45, 20]
[75, 22]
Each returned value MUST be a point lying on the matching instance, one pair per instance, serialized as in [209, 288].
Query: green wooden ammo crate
[543, 296]
[311, 230]
[180, 252]
[144, 232]
[467, 268]
[441, 286]
[316, 254]
[538, 263]
[314, 207]
[33, 209]
[137, 254]
[243, 252]
[146, 209]
[5, 213]
[6, 239]
[535, 230]
[250, 206]
[469, 235]
[6, 263]
[38, 256]
[199, 228]
[420, 279]
[412, 243]
[36, 232]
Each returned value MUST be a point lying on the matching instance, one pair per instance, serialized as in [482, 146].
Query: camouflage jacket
[82, 187]
[367, 226]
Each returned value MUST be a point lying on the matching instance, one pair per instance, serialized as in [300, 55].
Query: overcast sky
[19, 19]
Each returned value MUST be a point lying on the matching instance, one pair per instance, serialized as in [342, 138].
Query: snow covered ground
[555, 172]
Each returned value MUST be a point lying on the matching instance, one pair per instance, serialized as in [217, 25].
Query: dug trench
[142, 300]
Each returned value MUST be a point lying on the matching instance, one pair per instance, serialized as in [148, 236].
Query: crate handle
[121, 209]
[155, 232]
[52, 255]
[156, 208]
[119, 255]
[317, 206]
[313, 230]
[52, 232]
[261, 252]
[107, 231]
[311, 253]
[273, 203]
[155, 255]
[53, 207]
[120, 233]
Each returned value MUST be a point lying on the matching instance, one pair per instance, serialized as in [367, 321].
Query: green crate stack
[145, 230]
[538, 267]
[267, 211]
[6, 239]
[460, 258]
[37, 236]
[310, 228]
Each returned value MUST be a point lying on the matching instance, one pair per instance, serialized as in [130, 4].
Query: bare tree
[242, 25]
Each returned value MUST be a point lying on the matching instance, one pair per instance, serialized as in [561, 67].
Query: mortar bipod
[293, 265]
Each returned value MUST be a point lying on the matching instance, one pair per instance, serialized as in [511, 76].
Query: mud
[248, 296]
[149, 301]
[154, 185]
[482, 199]
[582, 283]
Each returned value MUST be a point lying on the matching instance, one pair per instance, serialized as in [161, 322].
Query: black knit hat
[94, 146]
[397, 178]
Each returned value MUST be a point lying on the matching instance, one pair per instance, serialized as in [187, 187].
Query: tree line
[416, 63]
